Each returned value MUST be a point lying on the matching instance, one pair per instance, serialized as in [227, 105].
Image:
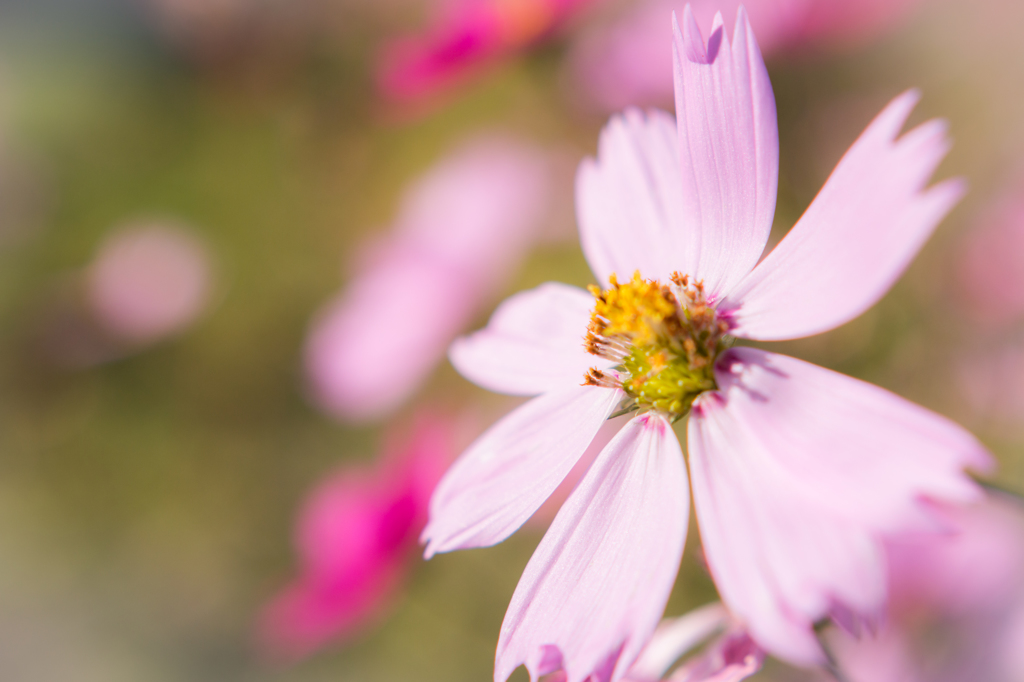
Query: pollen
[664, 339]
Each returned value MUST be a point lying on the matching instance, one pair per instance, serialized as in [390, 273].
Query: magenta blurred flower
[990, 276]
[798, 472]
[629, 63]
[149, 280]
[467, 36]
[355, 537]
[968, 584]
[461, 232]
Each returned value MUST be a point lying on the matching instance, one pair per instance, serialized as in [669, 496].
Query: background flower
[355, 538]
[461, 232]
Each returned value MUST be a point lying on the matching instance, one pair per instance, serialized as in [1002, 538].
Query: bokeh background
[150, 478]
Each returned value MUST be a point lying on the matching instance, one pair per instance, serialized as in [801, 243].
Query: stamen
[663, 339]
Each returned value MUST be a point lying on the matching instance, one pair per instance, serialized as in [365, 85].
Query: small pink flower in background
[798, 473]
[989, 270]
[355, 537]
[967, 583]
[629, 63]
[462, 231]
[148, 281]
[467, 37]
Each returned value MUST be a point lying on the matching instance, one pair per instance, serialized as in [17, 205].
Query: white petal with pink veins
[728, 150]
[507, 473]
[595, 588]
[857, 236]
[533, 343]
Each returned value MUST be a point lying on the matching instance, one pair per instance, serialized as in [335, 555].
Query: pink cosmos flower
[355, 536]
[468, 36]
[630, 62]
[462, 230]
[798, 473]
[148, 281]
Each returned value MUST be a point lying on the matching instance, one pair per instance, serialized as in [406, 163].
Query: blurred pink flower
[148, 281]
[466, 37]
[968, 584]
[355, 537]
[461, 232]
[629, 62]
[990, 262]
[798, 472]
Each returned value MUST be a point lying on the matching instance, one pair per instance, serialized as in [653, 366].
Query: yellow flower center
[664, 340]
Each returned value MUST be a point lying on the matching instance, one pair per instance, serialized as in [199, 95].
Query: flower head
[798, 473]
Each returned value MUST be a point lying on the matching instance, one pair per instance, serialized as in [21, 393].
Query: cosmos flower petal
[674, 638]
[728, 150]
[507, 473]
[595, 588]
[533, 343]
[857, 236]
[797, 471]
[733, 657]
[635, 182]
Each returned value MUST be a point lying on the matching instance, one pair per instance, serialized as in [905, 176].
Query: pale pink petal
[728, 150]
[629, 199]
[533, 343]
[371, 347]
[884, 656]
[734, 657]
[674, 638]
[462, 230]
[627, 61]
[971, 567]
[797, 472]
[504, 477]
[857, 236]
[595, 588]
[708, 215]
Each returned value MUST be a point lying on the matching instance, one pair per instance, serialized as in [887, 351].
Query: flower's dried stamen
[664, 342]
